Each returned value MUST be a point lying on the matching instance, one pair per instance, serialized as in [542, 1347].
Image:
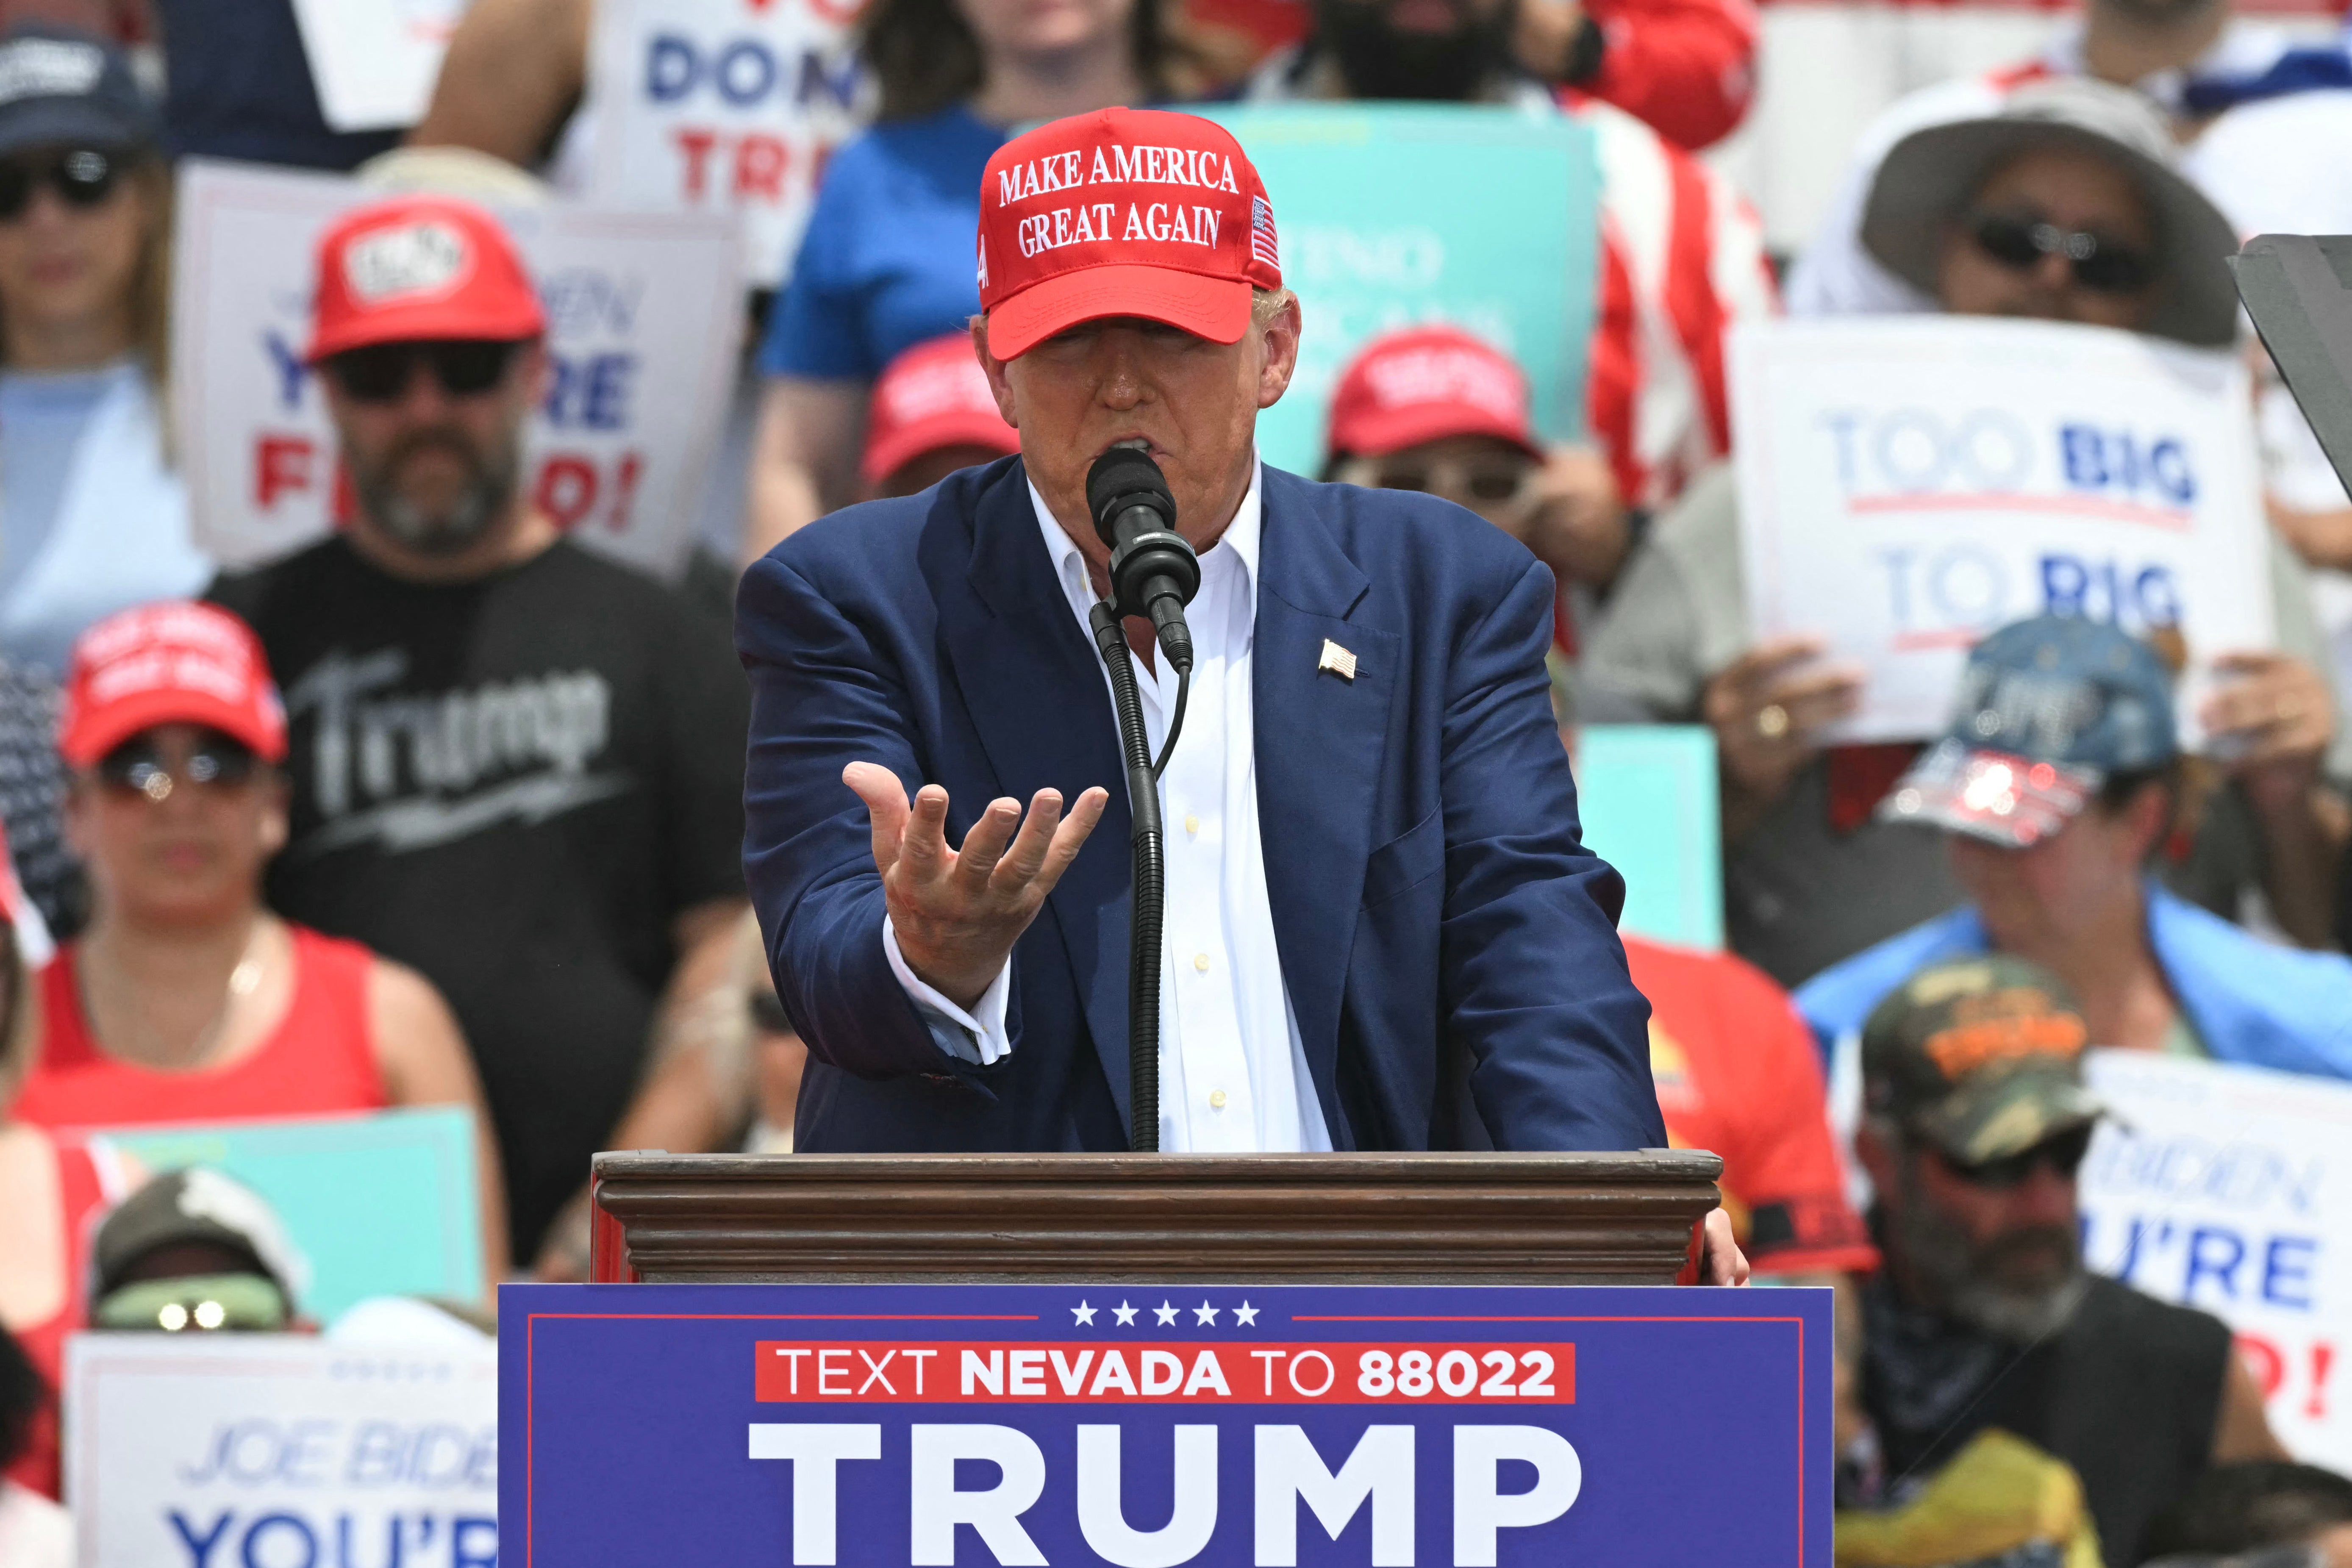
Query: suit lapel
[1319, 741]
[1033, 686]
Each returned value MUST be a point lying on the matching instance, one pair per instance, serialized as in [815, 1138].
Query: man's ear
[1000, 385]
[1279, 337]
[2150, 815]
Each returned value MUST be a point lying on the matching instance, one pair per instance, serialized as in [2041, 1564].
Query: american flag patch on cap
[1262, 238]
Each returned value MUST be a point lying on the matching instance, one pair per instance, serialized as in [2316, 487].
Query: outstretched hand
[957, 913]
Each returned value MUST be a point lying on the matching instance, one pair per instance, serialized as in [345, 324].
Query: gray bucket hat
[1929, 176]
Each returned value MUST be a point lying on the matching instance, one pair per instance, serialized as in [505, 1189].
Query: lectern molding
[1434, 1219]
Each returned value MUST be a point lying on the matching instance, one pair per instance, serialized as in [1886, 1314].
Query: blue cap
[2047, 709]
[63, 86]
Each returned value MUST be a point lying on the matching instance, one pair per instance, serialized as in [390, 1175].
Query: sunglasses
[2064, 1154]
[380, 373]
[209, 1303]
[140, 767]
[82, 178]
[2019, 241]
[1483, 482]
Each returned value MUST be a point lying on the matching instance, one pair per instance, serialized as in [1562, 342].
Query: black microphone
[1153, 572]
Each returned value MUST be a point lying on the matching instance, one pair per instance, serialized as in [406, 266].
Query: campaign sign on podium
[1147, 1426]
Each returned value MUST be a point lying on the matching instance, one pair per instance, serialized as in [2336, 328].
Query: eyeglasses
[2019, 241]
[82, 178]
[209, 1303]
[1487, 482]
[382, 372]
[140, 767]
[2064, 1154]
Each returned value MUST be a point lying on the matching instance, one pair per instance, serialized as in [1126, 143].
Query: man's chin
[449, 530]
[2021, 1312]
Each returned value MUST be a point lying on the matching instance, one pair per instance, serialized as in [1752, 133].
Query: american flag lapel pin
[1338, 660]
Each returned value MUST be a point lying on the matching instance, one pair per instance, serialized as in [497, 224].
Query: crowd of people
[446, 808]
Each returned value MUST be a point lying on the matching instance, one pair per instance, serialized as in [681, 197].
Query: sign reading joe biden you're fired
[644, 315]
[198, 1450]
[2226, 1188]
[1147, 1426]
[1910, 484]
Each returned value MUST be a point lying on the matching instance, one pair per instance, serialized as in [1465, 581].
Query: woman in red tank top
[185, 999]
[52, 1192]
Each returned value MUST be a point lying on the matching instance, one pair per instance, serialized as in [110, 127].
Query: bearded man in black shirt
[1984, 1320]
[515, 767]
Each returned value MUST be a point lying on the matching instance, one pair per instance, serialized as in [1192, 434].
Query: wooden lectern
[1396, 1219]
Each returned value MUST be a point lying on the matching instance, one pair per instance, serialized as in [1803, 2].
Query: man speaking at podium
[1383, 933]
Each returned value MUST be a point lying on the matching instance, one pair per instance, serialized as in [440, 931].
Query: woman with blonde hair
[92, 519]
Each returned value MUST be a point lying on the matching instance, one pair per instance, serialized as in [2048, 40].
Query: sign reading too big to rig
[1149, 1426]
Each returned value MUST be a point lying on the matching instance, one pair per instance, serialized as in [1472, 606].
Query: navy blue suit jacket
[1448, 944]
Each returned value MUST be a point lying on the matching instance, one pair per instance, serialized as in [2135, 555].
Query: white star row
[1244, 1315]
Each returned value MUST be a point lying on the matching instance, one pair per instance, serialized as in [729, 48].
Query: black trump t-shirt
[515, 785]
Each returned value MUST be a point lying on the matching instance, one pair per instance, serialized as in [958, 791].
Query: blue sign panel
[889, 1425]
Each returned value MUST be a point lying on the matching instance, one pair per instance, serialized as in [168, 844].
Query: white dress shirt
[1233, 1075]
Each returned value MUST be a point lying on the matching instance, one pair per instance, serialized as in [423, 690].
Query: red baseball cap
[1426, 385]
[1123, 212]
[170, 663]
[934, 394]
[419, 268]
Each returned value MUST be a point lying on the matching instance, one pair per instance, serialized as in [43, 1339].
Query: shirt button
[1200, 961]
[1192, 822]
[1216, 1100]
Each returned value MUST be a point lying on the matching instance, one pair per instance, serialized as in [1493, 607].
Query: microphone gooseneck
[1147, 896]
[1153, 574]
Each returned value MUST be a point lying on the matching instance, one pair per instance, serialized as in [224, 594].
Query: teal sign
[1647, 796]
[1417, 214]
[382, 1205]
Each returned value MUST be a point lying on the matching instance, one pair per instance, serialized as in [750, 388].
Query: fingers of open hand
[1071, 835]
[984, 846]
[1027, 857]
[923, 851]
[885, 803]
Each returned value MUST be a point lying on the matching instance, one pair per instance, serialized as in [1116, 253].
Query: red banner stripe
[997, 1372]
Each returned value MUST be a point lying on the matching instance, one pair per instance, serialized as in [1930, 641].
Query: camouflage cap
[1982, 1057]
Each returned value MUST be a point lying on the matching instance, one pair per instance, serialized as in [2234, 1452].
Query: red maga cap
[934, 394]
[417, 269]
[171, 663]
[1124, 211]
[1426, 385]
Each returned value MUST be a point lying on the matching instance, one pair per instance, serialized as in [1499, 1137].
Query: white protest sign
[2229, 1189]
[723, 105]
[374, 61]
[248, 1450]
[1907, 484]
[645, 316]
